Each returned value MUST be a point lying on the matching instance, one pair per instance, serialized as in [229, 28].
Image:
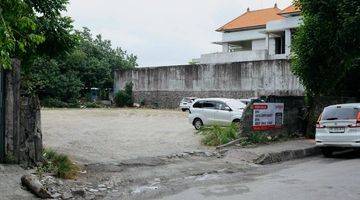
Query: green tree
[326, 51]
[30, 28]
[67, 78]
[327, 48]
[96, 60]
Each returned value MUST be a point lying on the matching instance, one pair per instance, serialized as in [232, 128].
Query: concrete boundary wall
[165, 86]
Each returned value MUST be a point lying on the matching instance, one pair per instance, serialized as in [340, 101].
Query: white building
[256, 35]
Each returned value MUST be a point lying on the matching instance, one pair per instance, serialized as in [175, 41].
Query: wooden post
[12, 112]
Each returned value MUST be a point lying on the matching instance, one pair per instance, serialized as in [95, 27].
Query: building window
[240, 46]
[280, 44]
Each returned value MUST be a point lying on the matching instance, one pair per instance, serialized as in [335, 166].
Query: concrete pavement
[10, 184]
[312, 178]
[274, 152]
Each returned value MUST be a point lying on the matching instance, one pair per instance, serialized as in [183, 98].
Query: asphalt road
[312, 178]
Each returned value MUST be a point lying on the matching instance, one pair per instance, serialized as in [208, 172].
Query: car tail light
[357, 121]
[318, 125]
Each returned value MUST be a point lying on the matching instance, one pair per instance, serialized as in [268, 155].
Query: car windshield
[339, 113]
[235, 104]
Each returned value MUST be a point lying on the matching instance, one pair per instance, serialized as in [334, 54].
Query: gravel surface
[111, 135]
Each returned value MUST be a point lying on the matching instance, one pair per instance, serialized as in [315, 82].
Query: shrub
[57, 103]
[59, 164]
[125, 97]
[142, 102]
[256, 138]
[66, 169]
[53, 103]
[91, 105]
[215, 135]
[121, 99]
[10, 159]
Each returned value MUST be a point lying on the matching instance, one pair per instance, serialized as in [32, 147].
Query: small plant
[215, 135]
[125, 97]
[142, 102]
[260, 138]
[10, 159]
[66, 169]
[59, 164]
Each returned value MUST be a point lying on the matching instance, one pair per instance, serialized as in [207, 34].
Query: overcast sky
[162, 32]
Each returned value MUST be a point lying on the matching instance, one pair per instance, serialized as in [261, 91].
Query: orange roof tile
[290, 9]
[252, 19]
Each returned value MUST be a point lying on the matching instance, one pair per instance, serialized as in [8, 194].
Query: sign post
[268, 116]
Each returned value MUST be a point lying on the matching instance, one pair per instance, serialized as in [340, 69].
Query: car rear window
[187, 100]
[335, 113]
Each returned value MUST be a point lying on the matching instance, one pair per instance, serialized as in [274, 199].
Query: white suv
[215, 111]
[338, 127]
[186, 103]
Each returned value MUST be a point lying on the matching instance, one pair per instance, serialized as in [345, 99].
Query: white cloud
[162, 32]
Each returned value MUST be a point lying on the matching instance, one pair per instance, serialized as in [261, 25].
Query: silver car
[338, 127]
[186, 102]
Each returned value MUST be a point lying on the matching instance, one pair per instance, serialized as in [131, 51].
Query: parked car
[338, 127]
[215, 111]
[249, 100]
[186, 103]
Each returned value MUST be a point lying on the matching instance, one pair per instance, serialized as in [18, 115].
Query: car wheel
[184, 109]
[327, 152]
[198, 123]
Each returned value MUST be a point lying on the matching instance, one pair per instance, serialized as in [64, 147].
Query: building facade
[256, 35]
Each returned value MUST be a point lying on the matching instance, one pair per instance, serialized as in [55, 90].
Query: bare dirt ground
[111, 135]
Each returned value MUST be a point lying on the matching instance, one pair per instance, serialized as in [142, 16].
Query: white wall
[243, 35]
[286, 23]
[238, 56]
[258, 44]
[271, 46]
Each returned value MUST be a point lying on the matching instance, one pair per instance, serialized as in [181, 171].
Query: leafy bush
[57, 103]
[59, 164]
[256, 138]
[215, 135]
[125, 97]
[68, 76]
[91, 105]
[142, 102]
[10, 159]
[53, 103]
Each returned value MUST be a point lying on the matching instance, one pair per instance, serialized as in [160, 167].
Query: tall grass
[215, 135]
[59, 164]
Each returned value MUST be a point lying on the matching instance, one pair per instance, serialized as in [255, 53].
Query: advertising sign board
[268, 116]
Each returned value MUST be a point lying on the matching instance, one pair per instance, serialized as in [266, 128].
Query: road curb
[276, 157]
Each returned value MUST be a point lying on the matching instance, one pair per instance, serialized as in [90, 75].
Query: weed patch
[58, 164]
[215, 135]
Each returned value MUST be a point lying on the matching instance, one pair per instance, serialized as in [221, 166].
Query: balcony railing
[238, 56]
